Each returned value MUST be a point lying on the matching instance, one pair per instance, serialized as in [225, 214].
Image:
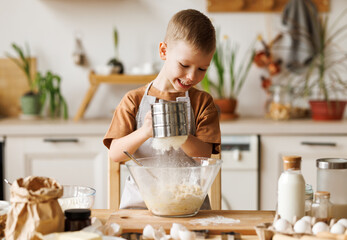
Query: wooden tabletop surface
[135, 220]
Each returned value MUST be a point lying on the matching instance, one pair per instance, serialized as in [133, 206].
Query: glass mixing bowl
[77, 197]
[172, 191]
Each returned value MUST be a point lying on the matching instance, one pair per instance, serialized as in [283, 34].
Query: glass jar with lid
[279, 108]
[322, 207]
[332, 177]
[77, 219]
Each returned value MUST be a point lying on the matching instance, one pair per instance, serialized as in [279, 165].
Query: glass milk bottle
[291, 190]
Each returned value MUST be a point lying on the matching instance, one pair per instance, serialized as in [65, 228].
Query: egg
[113, 229]
[343, 221]
[282, 225]
[302, 226]
[186, 235]
[148, 232]
[320, 227]
[174, 231]
[307, 219]
[338, 228]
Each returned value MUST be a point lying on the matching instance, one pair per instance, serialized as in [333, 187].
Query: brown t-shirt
[205, 112]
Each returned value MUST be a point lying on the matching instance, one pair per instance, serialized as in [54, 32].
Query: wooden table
[136, 220]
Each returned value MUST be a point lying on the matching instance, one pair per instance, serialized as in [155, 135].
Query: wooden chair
[114, 187]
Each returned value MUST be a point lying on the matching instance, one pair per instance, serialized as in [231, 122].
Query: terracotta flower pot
[226, 108]
[325, 111]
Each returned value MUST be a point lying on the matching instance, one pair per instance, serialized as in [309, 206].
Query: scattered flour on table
[214, 220]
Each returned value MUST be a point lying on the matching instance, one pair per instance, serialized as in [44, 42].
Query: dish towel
[300, 19]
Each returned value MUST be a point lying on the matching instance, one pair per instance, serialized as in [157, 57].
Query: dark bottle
[77, 219]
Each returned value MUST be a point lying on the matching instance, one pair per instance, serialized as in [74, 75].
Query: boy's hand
[147, 125]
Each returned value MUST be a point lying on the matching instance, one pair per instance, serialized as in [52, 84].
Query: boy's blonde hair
[194, 27]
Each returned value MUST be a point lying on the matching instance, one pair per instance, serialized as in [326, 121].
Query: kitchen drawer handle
[61, 140]
[330, 144]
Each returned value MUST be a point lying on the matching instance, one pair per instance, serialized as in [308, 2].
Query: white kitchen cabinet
[75, 160]
[310, 148]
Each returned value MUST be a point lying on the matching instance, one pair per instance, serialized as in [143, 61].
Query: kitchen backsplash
[51, 26]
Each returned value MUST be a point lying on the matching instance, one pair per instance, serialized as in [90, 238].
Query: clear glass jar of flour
[332, 177]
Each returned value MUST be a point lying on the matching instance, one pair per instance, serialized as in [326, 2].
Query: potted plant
[52, 101]
[230, 77]
[117, 66]
[325, 79]
[30, 104]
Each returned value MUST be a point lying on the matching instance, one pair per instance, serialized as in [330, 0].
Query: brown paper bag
[34, 208]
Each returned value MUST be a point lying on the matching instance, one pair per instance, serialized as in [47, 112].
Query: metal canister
[169, 119]
[332, 177]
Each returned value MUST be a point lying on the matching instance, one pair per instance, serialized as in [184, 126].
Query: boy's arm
[132, 141]
[194, 147]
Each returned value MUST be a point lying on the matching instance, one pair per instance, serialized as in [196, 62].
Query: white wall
[50, 26]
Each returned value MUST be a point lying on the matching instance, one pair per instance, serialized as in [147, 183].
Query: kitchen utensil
[137, 162]
[132, 158]
[77, 197]
[6, 181]
[134, 220]
[169, 119]
[176, 191]
[331, 176]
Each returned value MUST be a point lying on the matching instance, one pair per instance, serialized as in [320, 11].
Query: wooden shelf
[257, 6]
[95, 80]
[120, 78]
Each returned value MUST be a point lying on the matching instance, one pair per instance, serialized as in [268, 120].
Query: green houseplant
[30, 100]
[230, 76]
[52, 101]
[325, 79]
[114, 62]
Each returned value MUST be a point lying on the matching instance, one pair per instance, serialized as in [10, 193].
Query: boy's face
[185, 66]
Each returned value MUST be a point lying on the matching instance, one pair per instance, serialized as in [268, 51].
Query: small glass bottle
[77, 219]
[322, 207]
[308, 199]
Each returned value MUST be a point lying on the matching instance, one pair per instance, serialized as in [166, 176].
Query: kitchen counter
[15, 126]
[243, 125]
[264, 126]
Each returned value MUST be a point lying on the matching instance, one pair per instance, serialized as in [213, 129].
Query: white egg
[307, 219]
[113, 229]
[343, 221]
[302, 226]
[174, 231]
[338, 228]
[320, 227]
[148, 232]
[282, 225]
[186, 235]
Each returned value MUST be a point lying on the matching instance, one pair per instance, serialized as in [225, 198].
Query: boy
[187, 51]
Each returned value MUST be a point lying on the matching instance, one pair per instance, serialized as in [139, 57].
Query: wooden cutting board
[136, 220]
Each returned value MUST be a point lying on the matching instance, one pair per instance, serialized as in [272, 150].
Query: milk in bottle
[291, 190]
